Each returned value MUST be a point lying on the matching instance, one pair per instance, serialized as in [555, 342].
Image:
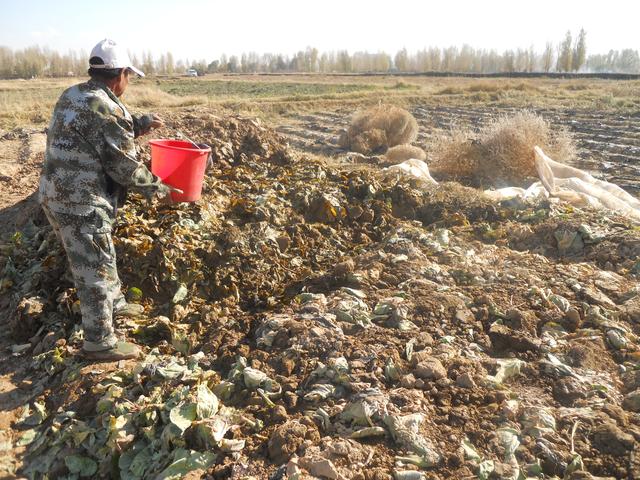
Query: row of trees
[570, 55]
[36, 61]
[625, 61]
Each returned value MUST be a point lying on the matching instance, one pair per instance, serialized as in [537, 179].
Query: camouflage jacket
[90, 155]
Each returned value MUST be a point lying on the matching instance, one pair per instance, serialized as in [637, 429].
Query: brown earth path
[21, 153]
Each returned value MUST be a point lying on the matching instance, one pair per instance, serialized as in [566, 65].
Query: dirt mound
[233, 139]
[373, 131]
[501, 154]
[307, 319]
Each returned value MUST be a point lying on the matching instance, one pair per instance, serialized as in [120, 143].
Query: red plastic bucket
[180, 165]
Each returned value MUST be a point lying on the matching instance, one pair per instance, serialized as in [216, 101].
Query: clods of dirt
[307, 318]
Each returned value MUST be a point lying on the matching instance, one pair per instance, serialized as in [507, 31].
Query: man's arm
[120, 160]
[143, 124]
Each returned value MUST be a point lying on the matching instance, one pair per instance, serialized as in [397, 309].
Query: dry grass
[27, 103]
[369, 141]
[502, 152]
[455, 155]
[509, 141]
[489, 88]
[24, 108]
[452, 90]
[378, 128]
[403, 152]
[151, 96]
[31, 102]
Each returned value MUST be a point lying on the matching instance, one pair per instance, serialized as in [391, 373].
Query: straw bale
[403, 152]
[501, 153]
[369, 142]
[397, 124]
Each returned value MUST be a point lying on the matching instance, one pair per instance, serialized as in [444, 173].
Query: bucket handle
[197, 145]
[187, 138]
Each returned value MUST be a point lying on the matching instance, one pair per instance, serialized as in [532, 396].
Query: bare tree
[465, 59]
[531, 59]
[234, 65]
[161, 64]
[401, 60]
[343, 62]
[148, 65]
[565, 54]
[580, 51]
[435, 56]
[547, 57]
[628, 61]
[7, 62]
[311, 59]
[509, 61]
[521, 60]
[449, 56]
[170, 63]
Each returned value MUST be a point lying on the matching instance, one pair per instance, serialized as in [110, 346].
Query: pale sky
[200, 29]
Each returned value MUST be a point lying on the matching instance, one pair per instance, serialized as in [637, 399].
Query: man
[90, 162]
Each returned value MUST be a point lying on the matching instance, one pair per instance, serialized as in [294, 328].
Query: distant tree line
[570, 55]
[37, 62]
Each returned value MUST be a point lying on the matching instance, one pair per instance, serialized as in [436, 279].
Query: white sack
[413, 168]
[574, 186]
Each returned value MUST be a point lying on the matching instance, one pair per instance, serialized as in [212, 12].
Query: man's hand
[163, 194]
[156, 122]
[145, 123]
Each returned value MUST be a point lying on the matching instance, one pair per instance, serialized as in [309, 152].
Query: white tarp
[534, 191]
[570, 184]
[574, 186]
[414, 168]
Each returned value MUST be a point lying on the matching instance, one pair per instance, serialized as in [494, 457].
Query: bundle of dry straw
[374, 130]
[403, 152]
[501, 154]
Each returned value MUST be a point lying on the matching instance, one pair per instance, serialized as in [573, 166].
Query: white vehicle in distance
[192, 72]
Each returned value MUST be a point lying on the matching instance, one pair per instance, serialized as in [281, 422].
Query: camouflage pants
[92, 260]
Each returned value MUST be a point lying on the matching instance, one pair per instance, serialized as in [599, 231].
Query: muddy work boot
[129, 310]
[120, 351]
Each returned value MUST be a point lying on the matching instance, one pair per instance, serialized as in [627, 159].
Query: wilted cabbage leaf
[183, 415]
[180, 294]
[368, 432]
[507, 368]
[509, 440]
[485, 468]
[253, 377]
[470, 451]
[206, 402]
[185, 461]
[405, 431]
[320, 392]
[80, 465]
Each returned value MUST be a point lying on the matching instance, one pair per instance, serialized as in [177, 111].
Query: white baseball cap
[112, 56]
